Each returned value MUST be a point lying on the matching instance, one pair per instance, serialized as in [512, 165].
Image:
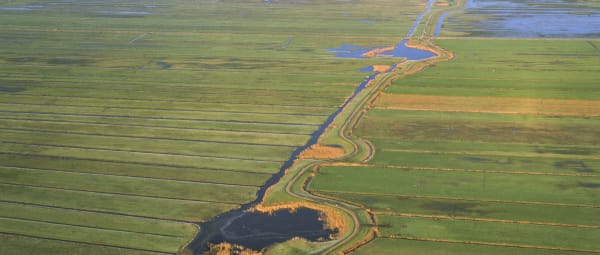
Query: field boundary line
[165, 109]
[26, 130]
[411, 168]
[95, 123]
[125, 176]
[407, 108]
[20, 29]
[129, 162]
[89, 227]
[85, 243]
[82, 148]
[462, 218]
[158, 118]
[202, 95]
[170, 100]
[461, 199]
[522, 155]
[119, 194]
[524, 246]
[112, 213]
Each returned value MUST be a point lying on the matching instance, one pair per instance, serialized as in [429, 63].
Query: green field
[481, 180]
[125, 123]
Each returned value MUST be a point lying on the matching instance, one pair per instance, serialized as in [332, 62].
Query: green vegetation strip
[538, 213]
[20, 244]
[383, 245]
[501, 233]
[491, 186]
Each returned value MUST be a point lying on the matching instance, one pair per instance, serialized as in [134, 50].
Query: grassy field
[124, 123]
[494, 152]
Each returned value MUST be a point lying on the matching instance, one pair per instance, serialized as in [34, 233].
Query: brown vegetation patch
[381, 68]
[331, 218]
[322, 152]
[230, 249]
[503, 105]
[375, 52]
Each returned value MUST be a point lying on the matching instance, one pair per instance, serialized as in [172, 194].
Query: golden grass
[322, 152]
[381, 68]
[230, 249]
[331, 218]
[502, 105]
[375, 52]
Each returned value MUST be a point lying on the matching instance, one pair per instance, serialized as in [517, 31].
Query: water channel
[257, 230]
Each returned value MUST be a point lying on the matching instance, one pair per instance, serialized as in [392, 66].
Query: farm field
[124, 124]
[493, 152]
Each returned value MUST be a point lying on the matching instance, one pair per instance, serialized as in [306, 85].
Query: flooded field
[523, 19]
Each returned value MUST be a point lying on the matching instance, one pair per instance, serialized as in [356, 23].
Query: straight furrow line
[159, 118]
[91, 211]
[460, 199]
[57, 82]
[524, 246]
[136, 152]
[195, 33]
[539, 112]
[128, 176]
[153, 126]
[409, 168]
[21, 94]
[129, 163]
[118, 194]
[445, 217]
[86, 243]
[523, 155]
[142, 137]
[167, 110]
[296, 96]
[88, 227]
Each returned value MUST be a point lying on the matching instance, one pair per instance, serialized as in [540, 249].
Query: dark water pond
[258, 230]
[526, 19]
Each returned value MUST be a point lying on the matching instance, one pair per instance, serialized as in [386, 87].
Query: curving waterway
[257, 230]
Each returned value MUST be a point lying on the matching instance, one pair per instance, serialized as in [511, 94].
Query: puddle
[11, 89]
[124, 13]
[21, 59]
[69, 61]
[163, 65]
[24, 8]
[367, 21]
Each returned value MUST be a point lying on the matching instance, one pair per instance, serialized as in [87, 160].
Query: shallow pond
[399, 51]
[524, 19]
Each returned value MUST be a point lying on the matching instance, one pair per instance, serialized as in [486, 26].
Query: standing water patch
[399, 51]
[257, 230]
